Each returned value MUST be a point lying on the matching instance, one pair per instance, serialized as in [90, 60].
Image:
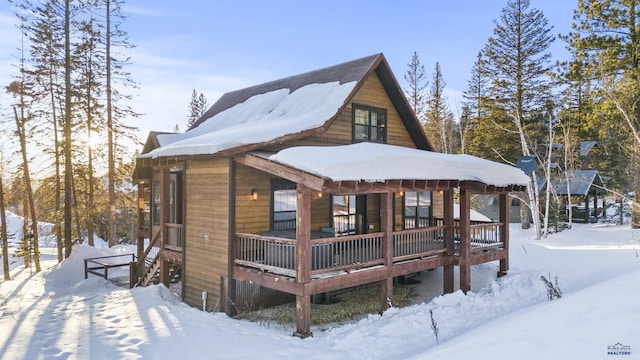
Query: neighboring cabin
[309, 184]
[585, 186]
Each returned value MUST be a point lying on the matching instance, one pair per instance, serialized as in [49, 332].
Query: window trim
[382, 129]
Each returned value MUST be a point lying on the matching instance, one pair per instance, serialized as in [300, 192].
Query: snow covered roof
[372, 162]
[352, 71]
[586, 146]
[580, 182]
[261, 118]
[283, 109]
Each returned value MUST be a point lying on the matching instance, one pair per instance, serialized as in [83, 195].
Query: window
[344, 214]
[417, 209]
[284, 205]
[155, 210]
[369, 124]
[175, 197]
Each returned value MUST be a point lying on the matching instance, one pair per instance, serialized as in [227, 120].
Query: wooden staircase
[152, 269]
[146, 270]
[147, 265]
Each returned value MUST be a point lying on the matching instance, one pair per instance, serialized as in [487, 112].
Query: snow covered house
[310, 184]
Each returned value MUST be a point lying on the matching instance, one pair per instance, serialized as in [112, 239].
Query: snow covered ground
[57, 314]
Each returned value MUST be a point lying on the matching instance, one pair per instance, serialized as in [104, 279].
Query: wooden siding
[254, 216]
[340, 132]
[206, 230]
[373, 213]
[321, 212]
[437, 201]
[372, 94]
[398, 212]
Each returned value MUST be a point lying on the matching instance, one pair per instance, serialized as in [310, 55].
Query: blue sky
[219, 46]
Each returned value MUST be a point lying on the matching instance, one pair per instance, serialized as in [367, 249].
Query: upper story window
[369, 124]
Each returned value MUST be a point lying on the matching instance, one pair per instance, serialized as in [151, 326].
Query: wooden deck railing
[327, 254]
[346, 253]
[265, 252]
[415, 243]
[174, 236]
[485, 236]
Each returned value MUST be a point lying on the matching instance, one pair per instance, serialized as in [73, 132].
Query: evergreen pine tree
[439, 119]
[67, 131]
[202, 104]
[193, 109]
[416, 78]
[518, 60]
[88, 84]
[3, 235]
[197, 107]
[606, 45]
[116, 108]
[43, 28]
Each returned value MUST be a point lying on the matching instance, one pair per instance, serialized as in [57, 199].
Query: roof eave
[262, 161]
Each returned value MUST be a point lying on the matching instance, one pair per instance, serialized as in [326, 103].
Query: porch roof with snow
[285, 109]
[373, 167]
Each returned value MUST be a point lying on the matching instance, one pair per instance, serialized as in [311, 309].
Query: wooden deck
[268, 260]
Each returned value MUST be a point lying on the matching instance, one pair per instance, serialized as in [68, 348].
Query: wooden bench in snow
[100, 265]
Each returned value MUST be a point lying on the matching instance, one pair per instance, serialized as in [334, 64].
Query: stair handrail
[144, 281]
[138, 265]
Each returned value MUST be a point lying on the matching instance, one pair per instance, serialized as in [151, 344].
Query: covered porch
[305, 261]
[160, 239]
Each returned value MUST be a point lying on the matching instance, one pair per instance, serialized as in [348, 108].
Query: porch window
[417, 210]
[155, 209]
[369, 124]
[284, 205]
[175, 197]
[344, 214]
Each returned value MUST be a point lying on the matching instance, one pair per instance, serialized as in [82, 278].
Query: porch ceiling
[262, 161]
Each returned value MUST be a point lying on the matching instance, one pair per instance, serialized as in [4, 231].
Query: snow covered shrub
[434, 327]
[553, 290]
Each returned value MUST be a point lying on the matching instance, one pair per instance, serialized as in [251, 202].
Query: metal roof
[580, 182]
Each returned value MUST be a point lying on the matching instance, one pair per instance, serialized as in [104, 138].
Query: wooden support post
[465, 240]
[504, 232]
[229, 297]
[386, 224]
[586, 208]
[164, 219]
[303, 316]
[595, 204]
[164, 273]
[448, 280]
[141, 218]
[386, 294]
[303, 260]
